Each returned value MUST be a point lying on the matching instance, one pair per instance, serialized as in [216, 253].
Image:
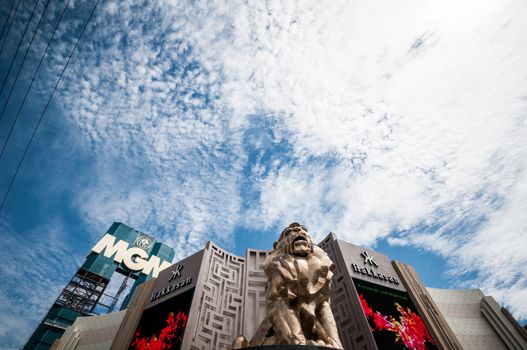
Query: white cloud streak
[34, 271]
[420, 108]
[402, 120]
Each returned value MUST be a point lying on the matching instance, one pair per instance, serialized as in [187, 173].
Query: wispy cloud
[401, 121]
[34, 271]
[374, 120]
[154, 105]
[422, 142]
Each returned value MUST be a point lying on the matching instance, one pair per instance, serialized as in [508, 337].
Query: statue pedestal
[288, 347]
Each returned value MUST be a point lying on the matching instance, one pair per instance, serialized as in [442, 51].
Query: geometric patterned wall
[254, 307]
[221, 300]
[231, 299]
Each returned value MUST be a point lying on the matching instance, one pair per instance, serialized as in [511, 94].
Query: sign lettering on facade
[134, 258]
[369, 271]
[176, 272]
[172, 287]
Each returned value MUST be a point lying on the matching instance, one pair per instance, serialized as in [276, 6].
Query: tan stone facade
[478, 321]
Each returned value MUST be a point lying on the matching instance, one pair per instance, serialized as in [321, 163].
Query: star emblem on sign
[176, 272]
[368, 259]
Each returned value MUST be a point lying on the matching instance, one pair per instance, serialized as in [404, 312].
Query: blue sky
[398, 126]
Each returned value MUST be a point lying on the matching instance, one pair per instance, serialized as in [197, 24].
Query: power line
[7, 19]
[18, 49]
[47, 104]
[9, 28]
[32, 80]
[21, 64]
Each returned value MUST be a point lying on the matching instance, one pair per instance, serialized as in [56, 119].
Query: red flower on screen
[170, 336]
[408, 328]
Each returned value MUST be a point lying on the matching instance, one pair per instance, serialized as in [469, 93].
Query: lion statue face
[295, 240]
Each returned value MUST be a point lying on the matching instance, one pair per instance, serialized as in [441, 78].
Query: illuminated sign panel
[164, 319]
[393, 319]
[134, 258]
[163, 326]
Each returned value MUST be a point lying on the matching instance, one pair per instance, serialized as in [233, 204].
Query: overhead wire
[7, 19]
[47, 105]
[19, 45]
[31, 82]
[9, 28]
[18, 49]
[21, 64]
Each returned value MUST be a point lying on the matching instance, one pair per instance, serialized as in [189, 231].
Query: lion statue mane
[297, 294]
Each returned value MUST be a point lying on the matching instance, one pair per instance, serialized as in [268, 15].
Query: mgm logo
[143, 242]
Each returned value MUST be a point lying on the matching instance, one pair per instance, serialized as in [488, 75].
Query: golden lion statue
[297, 294]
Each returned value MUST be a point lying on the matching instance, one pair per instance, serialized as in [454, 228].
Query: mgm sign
[135, 258]
[124, 250]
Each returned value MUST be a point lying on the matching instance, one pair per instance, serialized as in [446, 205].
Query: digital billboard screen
[393, 319]
[162, 326]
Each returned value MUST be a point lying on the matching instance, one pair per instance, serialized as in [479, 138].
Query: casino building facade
[207, 299]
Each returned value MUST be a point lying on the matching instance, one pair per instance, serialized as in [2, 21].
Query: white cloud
[12, 326]
[166, 163]
[34, 270]
[421, 107]
[399, 117]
